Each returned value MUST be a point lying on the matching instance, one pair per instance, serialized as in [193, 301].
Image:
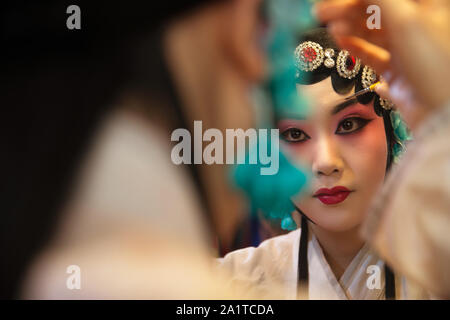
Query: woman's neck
[339, 248]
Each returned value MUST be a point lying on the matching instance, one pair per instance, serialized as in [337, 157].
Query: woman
[348, 145]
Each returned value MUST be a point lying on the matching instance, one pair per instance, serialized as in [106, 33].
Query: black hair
[343, 85]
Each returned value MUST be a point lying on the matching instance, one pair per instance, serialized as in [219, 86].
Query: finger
[397, 13]
[326, 11]
[383, 90]
[376, 57]
[394, 93]
[401, 94]
[346, 28]
[394, 12]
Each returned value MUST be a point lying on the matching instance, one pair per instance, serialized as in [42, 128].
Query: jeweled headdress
[317, 57]
[310, 55]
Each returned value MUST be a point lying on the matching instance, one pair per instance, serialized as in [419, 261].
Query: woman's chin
[336, 219]
[339, 226]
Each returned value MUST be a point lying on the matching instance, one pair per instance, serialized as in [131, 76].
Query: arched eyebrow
[338, 108]
[300, 116]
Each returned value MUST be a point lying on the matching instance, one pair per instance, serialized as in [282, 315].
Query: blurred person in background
[409, 223]
[87, 177]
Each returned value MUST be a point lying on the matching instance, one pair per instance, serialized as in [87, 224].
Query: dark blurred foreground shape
[56, 87]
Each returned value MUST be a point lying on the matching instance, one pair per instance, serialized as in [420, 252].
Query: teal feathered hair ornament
[271, 194]
[401, 135]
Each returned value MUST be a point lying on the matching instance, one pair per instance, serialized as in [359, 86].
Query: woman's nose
[327, 160]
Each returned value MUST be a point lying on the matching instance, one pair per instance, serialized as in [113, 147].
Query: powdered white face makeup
[345, 147]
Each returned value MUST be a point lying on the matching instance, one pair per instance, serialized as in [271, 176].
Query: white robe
[275, 264]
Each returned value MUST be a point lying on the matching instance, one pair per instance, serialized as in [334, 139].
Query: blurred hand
[401, 94]
[411, 50]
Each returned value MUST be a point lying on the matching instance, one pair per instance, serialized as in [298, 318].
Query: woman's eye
[294, 135]
[351, 125]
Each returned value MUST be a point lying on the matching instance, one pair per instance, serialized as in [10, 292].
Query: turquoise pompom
[288, 224]
[401, 134]
[271, 194]
[400, 129]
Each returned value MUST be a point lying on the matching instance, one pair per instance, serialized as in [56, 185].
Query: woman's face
[345, 147]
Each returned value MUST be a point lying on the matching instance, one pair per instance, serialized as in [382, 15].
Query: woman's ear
[243, 31]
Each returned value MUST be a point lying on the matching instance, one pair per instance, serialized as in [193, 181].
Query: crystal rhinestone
[368, 77]
[329, 53]
[350, 63]
[309, 54]
[347, 66]
[386, 104]
[329, 63]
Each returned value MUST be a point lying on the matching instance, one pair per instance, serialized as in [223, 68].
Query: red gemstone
[350, 63]
[309, 54]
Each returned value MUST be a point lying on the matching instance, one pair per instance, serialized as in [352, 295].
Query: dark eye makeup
[294, 135]
[351, 125]
[346, 126]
